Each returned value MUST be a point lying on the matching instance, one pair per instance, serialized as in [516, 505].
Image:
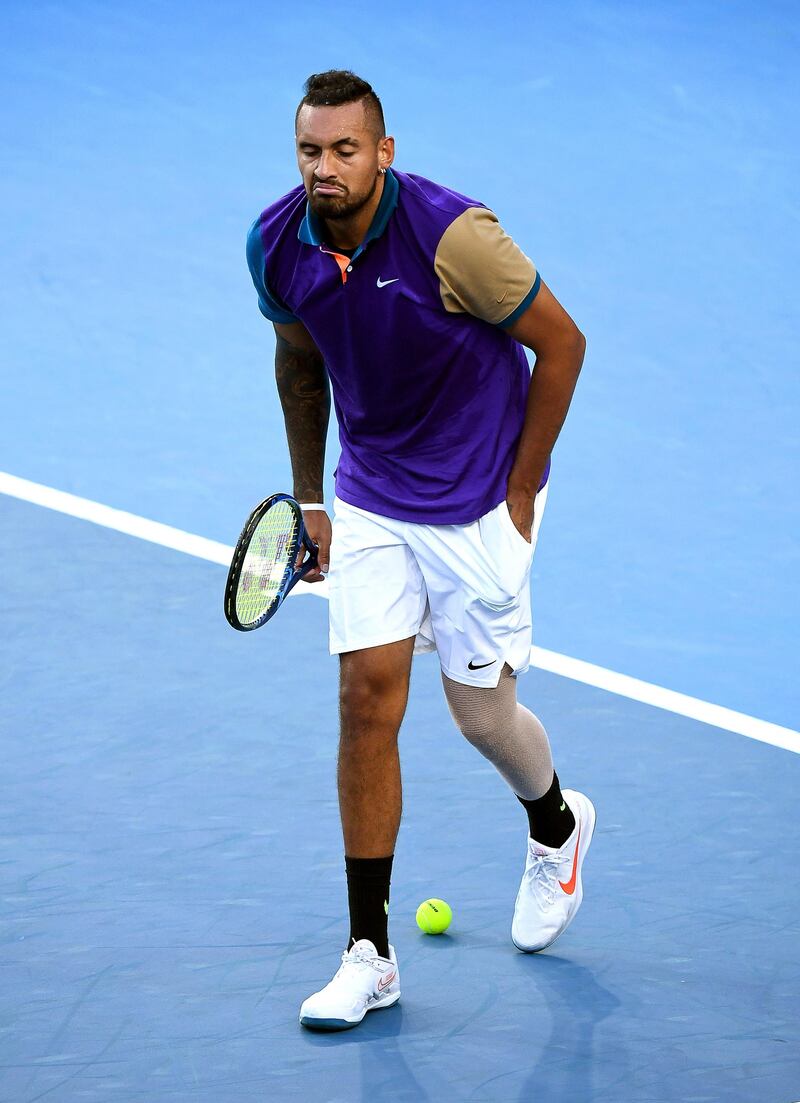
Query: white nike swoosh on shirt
[383, 283]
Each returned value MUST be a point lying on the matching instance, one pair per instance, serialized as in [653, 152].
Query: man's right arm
[304, 391]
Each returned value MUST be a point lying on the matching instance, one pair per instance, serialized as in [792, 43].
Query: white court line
[116, 519]
[668, 699]
[575, 669]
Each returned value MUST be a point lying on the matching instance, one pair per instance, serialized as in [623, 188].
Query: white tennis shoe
[552, 889]
[363, 982]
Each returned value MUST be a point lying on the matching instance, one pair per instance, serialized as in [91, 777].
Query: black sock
[368, 896]
[550, 818]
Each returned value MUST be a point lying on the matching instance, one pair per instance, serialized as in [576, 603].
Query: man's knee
[482, 728]
[373, 689]
[366, 703]
[482, 715]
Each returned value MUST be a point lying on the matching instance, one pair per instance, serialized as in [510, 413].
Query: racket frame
[291, 576]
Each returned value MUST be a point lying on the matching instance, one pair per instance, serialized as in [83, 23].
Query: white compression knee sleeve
[504, 731]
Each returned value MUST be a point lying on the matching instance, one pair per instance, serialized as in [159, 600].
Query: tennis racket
[263, 566]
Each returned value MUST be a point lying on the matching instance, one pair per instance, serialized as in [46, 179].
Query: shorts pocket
[505, 513]
[507, 555]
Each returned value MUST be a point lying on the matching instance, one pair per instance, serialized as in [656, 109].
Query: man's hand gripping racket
[274, 552]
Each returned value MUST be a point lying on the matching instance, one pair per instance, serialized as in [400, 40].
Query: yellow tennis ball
[434, 916]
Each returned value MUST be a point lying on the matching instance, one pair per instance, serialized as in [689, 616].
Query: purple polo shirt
[429, 390]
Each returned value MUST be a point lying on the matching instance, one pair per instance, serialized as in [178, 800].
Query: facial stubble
[337, 207]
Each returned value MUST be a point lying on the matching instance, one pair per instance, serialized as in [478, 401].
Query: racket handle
[310, 564]
[301, 572]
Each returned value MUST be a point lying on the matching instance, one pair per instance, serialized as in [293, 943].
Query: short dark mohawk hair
[337, 86]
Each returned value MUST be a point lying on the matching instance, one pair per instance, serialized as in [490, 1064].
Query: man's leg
[561, 823]
[516, 743]
[372, 701]
[477, 581]
[373, 695]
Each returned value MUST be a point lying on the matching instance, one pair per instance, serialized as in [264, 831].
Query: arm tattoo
[305, 397]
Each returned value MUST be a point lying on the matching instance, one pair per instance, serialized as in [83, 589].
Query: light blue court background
[646, 158]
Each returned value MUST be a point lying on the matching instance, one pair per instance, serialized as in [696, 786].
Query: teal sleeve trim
[523, 306]
[268, 303]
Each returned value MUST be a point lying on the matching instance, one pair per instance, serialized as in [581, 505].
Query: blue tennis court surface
[172, 870]
[174, 883]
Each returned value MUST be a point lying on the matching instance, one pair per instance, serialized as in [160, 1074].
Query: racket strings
[270, 552]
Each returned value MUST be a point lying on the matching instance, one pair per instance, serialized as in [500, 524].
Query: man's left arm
[546, 329]
[483, 272]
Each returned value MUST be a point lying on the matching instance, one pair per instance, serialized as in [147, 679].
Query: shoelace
[360, 957]
[543, 873]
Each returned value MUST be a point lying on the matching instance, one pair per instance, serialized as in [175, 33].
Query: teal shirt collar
[312, 228]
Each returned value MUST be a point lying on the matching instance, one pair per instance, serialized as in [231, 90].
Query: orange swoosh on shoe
[569, 887]
[384, 982]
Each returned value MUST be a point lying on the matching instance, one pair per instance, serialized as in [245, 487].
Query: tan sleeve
[481, 270]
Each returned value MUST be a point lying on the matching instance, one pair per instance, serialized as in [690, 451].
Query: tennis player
[411, 304]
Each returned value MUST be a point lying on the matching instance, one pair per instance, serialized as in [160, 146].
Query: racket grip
[301, 572]
[309, 565]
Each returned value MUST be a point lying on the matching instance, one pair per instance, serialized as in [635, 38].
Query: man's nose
[325, 164]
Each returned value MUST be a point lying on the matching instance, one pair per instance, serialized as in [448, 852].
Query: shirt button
[349, 268]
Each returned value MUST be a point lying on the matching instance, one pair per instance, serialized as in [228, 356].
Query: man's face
[339, 158]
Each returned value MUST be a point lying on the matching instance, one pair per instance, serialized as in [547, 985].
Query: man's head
[342, 147]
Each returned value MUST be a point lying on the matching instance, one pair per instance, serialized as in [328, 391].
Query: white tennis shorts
[462, 590]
